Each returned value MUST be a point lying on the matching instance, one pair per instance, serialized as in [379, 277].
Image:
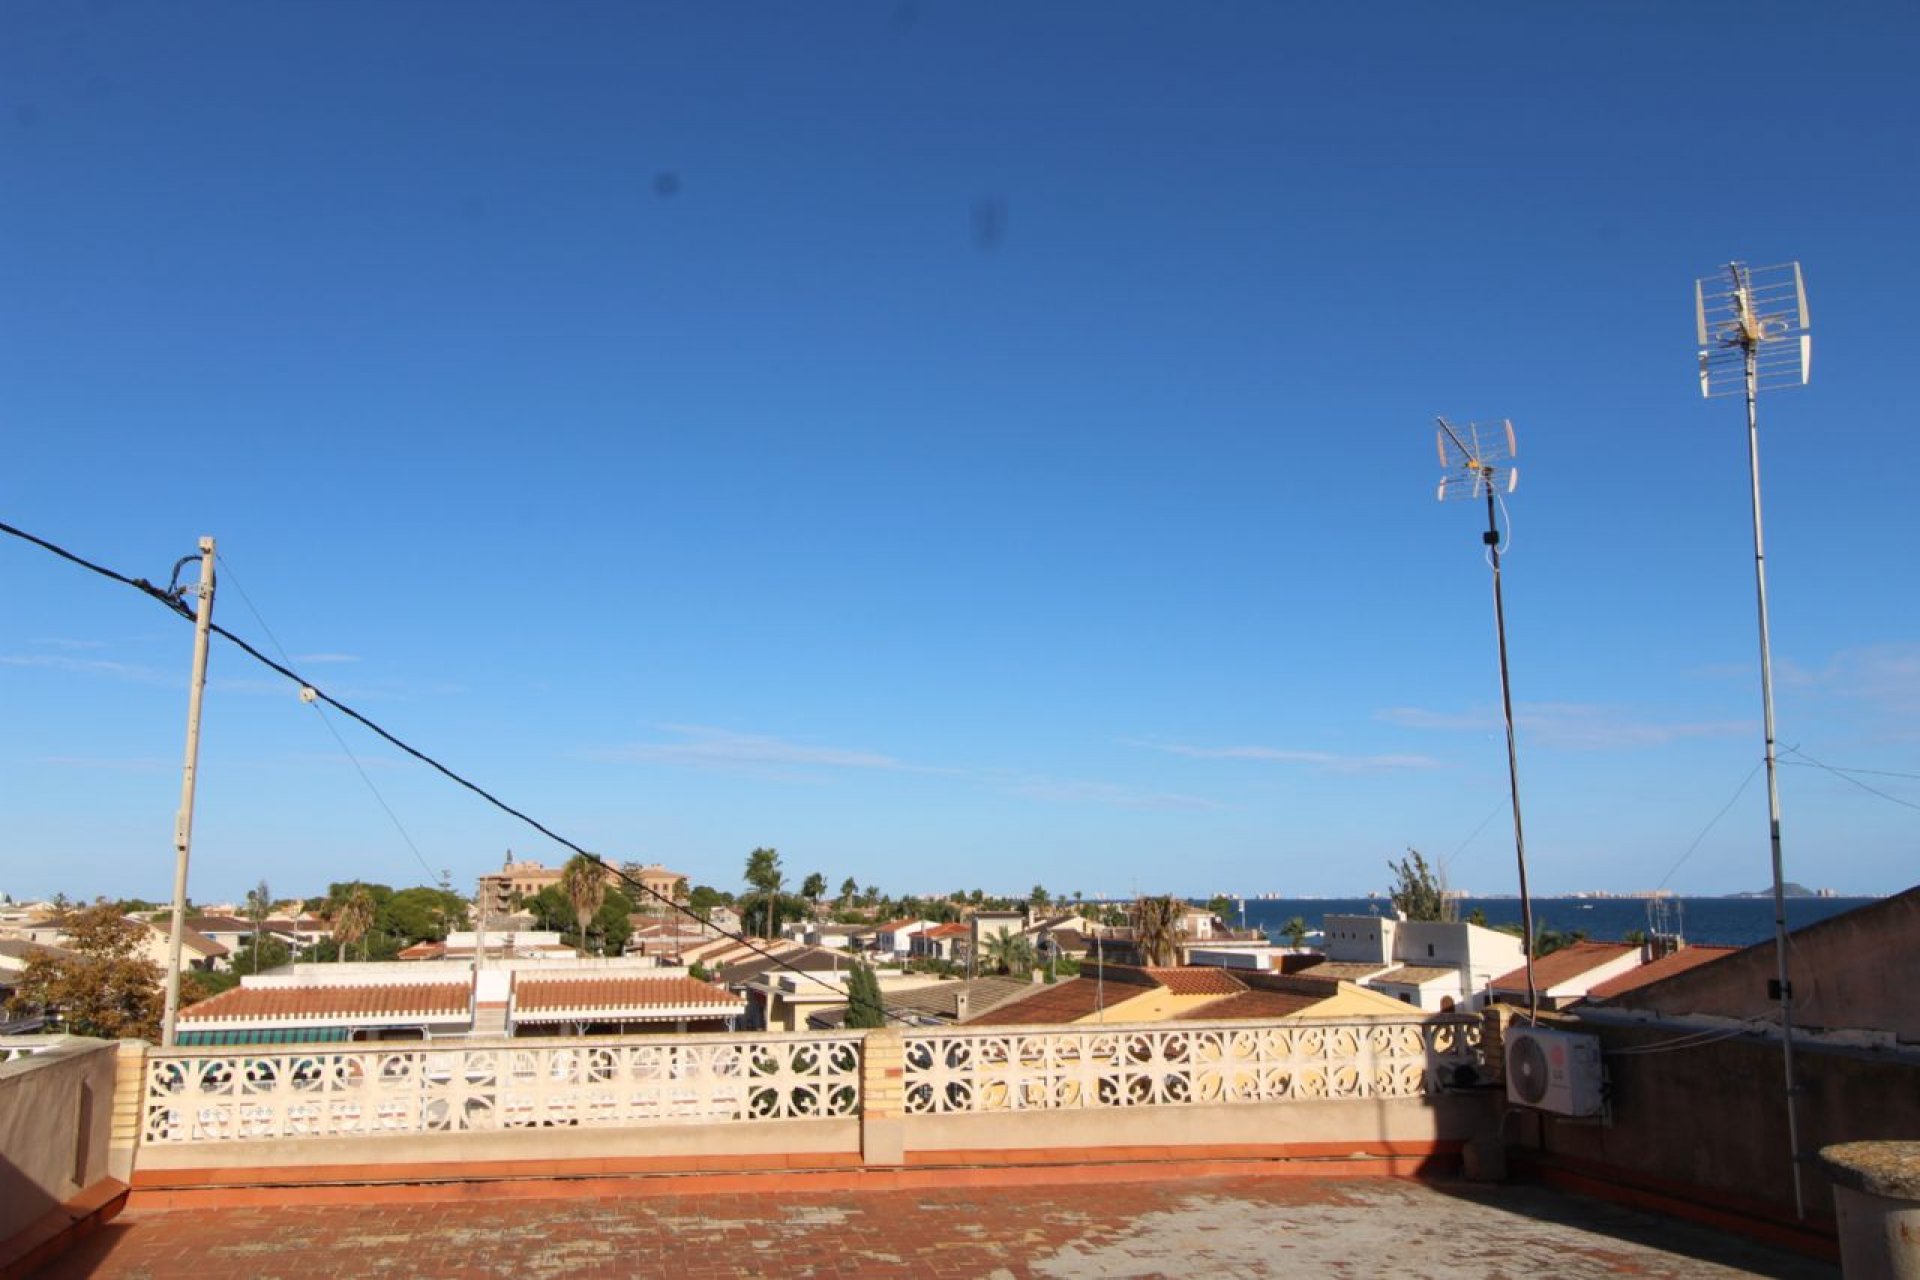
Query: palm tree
[1009, 952]
[584, 882]
[1295, 932]
[1157, 931]
[849, 890]
[352, 921]
[814, 889]
[764, 874]
[259, 907]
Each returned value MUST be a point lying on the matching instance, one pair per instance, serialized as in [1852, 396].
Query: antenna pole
[1492, 538]
[1773, 782]
[183, 821]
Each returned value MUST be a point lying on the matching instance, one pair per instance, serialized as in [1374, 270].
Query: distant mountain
[1791, 890]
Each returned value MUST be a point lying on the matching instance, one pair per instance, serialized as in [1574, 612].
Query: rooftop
[386, 1000]
[1666, 966]
[1564, 965]
[1219, 1226]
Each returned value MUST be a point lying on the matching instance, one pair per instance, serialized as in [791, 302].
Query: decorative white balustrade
[217, 1095]
[1008, 1069]
[203, 1095]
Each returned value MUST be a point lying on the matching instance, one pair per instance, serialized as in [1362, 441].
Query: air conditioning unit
[1556, 1071]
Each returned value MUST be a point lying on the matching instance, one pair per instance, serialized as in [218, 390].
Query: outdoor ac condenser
[1556, 1071]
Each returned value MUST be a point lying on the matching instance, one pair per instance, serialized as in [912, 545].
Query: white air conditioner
[1557, 1071]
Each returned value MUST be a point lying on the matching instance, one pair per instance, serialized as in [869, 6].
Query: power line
[1731, 801]
[322, 713]
[1843, 775]
[172, 600]
[1491, 815]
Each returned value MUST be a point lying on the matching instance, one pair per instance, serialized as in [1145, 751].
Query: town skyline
[709, 434]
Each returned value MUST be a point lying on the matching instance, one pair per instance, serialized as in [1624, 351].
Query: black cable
[321, 712]
[176, 606]
[1842, 775]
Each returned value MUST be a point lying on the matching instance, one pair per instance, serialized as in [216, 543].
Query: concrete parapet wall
[55, 1121]
[1710, 1118]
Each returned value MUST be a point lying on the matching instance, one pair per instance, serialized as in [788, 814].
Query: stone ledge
[1887, 1169]
[60, 1228]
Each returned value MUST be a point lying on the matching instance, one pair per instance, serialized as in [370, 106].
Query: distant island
[1790, 889]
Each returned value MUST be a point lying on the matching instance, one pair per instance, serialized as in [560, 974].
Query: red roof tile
[1564, 965]
[947, 931]
[536, 995]
[437, 999]
[1071, 1000]
[1665, 967]
[1208, 981]
[1338, 970]
[1256, 1004]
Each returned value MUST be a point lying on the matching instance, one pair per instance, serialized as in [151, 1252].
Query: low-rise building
[1422, 949]
[895, 937]
[393, 1001]
[950, 942]
[1563, 977]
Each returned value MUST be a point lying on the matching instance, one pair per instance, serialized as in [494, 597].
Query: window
[1429, 948]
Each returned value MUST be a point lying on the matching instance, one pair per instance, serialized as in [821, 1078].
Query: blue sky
[956, 445]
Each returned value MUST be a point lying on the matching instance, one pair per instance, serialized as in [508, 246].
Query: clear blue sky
[956, 445]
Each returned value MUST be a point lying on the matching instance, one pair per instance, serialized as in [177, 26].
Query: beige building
[528, 877]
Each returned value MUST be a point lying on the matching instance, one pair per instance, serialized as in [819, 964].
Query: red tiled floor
[1207, 1226]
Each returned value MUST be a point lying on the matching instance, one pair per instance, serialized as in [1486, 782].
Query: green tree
[1420, 891]
[613, 923]
[1157, 929]
[583, 882]
[353, 919]
[259, 907]
[865, 1008]
[764, 874]
[1037, 897]
[421, 914]
[1295, 932]
[703, 898]
[1547, 940]
[1221, 905]
[270, 954]
[1477, 916]
[849, 890]
[814, 889]
[1009, 952]
[98, 984]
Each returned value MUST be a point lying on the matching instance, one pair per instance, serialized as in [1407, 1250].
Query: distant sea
[1722, 921]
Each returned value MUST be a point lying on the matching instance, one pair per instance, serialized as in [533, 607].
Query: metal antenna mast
[1755, 335]
[1476, 463]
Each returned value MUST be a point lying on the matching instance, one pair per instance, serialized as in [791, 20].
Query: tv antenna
[1755, 336]
[1477, 462]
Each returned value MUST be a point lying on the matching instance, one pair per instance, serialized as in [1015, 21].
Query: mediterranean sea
[1720, 921]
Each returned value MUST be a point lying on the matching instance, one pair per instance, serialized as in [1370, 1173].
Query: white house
[895, 937]
[1433, 965]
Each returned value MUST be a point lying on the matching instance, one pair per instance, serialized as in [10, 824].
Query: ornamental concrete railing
[889, 1098]
[204, 1095]
[965, 1071]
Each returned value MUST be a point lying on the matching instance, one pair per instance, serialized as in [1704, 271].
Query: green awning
[263, 1035]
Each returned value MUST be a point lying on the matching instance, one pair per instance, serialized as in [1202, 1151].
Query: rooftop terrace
[1219, 1226]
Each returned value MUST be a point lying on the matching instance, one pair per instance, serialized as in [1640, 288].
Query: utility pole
[183, 821]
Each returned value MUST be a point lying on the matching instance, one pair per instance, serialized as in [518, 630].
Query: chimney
[960, 1006]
